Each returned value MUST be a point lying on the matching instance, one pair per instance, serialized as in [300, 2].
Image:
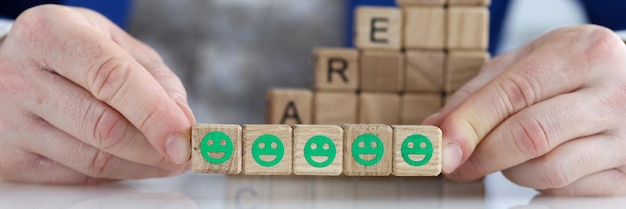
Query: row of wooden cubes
[331, 150]
[458, 27]
[412, 71]
[303, 106]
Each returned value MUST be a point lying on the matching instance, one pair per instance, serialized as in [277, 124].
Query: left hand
[550, 115]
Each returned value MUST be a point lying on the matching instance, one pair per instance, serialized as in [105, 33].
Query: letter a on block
[289, 106]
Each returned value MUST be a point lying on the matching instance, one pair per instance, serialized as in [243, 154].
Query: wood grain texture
[380, 168]
[415, 149]
[302, 134]
[468, 28]
[199, 164]
[336, 69]
[417, 107]
[335, 108]
[405, 3]
[251, 133]
[424, 28]
[381, 108]
[454, 3]
[462, 66]
[289, 106]
[378, 27]
[424, 71]
[382, 71]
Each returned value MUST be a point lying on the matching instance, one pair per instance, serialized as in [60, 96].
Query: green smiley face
[267, 150]
[416, 150]
[367, 149]
[319, 151]
[216, 147]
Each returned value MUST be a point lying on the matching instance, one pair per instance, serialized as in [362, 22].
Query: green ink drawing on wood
[268, 150]
[416, 150]
[319, 151]
[216, 147]
[368, 149]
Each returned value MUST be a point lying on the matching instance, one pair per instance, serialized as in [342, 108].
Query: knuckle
[33, 23]
[109, 129]
[101, 164]
[519, 90]
[554, 174]
[531, 137]
[109, 77]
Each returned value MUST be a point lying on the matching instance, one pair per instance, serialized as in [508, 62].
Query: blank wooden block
[424, 28]
[335, 108]
[382, 71]
[267, 150]
[336, 69]
[468, 28]
[404, 3]
[469, 2]
[216, 148]
[416, 150]
[424, 71]
[379, 108]
[417, 107]
[318, 150]
[289, 106]
[367, 150]
[462, 66]
[378, 27]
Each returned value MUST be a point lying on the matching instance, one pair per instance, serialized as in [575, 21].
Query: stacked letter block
[329, 150]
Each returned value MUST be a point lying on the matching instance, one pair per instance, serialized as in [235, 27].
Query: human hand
[550, 115]
[84, 102]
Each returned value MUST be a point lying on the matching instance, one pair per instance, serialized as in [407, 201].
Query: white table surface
[218, 191]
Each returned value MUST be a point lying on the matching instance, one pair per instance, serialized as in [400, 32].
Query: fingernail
[452, 155]
[429, 119]
[178, 148]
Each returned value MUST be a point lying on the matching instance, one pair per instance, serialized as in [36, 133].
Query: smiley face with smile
[216, 147]
[368, 149]
[319, 151]
[268, 150]
[416, 150]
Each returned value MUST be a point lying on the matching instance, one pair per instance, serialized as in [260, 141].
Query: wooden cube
[289, 106]
[378, 27]
[318, 150]
[404, 3]
[468, 28]
[336, 69]
[424, 71]
[379, 108]
[417, 107]
[367, 150]
[417, 150]
[216, 148]
[454, 3]
[382, 71]
[424, 28]
[462, 66]
[267, 149]
[335, 108]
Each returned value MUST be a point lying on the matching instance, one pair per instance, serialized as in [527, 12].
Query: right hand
[84, 102]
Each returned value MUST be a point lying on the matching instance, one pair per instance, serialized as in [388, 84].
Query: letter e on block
[378, 27]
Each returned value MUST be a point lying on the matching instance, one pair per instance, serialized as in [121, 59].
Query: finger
[538, 76]
[71, 152]
[78, 51]
[610, 182]
[536, 130]
[89, 120]
[569, 162]
[33, 168]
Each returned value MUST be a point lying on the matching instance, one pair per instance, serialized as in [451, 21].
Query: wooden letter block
[267, 149]
[318, 150]
[416, 151]
[378, 27]
[468, 28]
[216, 148]
[417, 107]
[367, 150]
[289, 106]
[424, 71]
[336, 69]
[335, 108]
[404, 3]
[379, 108]
[424, 28]
[382, 71]
[484, 3]
[462, 66]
